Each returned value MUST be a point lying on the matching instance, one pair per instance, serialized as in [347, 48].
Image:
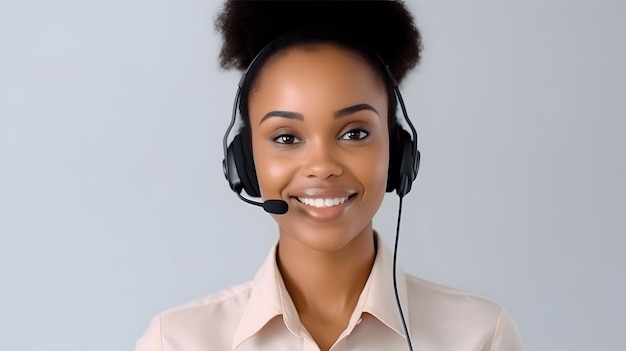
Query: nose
[321, 161]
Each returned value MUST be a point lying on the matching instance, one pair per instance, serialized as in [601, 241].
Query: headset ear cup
[403, 162]
[407, 174]
[230, 169]
[244, 165]
[252, 185]
[395, 157]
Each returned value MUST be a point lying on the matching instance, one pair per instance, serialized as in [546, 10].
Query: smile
[323, 203]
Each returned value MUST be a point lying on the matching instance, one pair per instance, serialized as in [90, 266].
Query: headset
[404, 160]
[238, 164]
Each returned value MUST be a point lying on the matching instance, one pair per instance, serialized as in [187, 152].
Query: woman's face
[318, 117]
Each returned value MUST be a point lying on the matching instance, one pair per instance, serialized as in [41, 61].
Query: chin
[332, 239]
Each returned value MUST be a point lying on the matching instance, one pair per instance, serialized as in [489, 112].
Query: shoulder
[224, 303]
[225, 307]
[430, 295]
[441, 310]
[211, 320]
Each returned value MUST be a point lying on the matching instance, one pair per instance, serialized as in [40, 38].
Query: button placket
[309, 345]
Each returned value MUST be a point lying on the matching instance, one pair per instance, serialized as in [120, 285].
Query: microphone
[275, 206]
[270, 206]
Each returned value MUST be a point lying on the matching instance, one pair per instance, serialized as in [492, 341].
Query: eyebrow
[353, 109]
[283, 114]
[338, 114]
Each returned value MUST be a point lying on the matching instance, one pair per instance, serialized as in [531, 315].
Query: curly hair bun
[384, 26]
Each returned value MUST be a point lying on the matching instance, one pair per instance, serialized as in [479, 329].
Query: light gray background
[113, 205]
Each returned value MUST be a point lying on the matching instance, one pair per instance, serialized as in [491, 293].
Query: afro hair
[386, 27]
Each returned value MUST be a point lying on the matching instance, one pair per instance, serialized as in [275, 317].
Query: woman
[320, 140]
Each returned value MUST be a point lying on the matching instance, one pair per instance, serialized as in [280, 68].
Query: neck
[326, 282]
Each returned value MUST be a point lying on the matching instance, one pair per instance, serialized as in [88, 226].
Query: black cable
[395, 278]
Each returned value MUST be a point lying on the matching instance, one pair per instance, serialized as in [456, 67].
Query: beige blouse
[260, 315]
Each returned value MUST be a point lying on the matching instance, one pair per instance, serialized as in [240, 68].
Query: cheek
[374, 169]
[273, 171]
[369, 166]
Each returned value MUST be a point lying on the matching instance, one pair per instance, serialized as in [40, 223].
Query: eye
[355, 134]
[287, 139]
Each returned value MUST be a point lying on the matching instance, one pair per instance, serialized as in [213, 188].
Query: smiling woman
[319, 134]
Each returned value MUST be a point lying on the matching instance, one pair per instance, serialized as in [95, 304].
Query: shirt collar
[269, 297]
[380, 301]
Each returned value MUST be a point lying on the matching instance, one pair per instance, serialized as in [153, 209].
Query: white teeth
[322, 203]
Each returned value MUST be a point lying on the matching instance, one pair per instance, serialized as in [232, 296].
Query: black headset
[238, 163]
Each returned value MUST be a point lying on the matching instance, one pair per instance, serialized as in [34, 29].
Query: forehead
[317, 74]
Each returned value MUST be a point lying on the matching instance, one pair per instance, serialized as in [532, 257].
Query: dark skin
[318, 117]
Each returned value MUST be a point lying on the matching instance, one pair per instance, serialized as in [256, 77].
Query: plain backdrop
[113, 205]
